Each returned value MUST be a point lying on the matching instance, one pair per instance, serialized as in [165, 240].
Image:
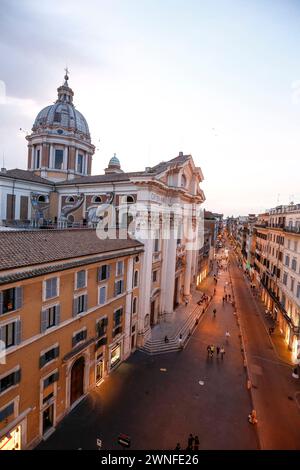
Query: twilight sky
[219, 79]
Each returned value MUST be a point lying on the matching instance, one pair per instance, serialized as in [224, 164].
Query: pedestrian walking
[166, 339]
[190, 441]
[214, 311]
[229, 297]
[196, 443]
[227, 336]
[218, 351]
[177, 446]
[180, 341]
[223, 300]
[222, 351]
[225, 297]
[208, 350]
[212, 350]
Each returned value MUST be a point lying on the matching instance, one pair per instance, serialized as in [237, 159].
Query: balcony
[292, 230]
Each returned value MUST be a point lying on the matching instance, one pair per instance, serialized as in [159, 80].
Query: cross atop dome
[66, 77]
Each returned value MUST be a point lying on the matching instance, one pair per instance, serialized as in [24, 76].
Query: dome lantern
[60, 144]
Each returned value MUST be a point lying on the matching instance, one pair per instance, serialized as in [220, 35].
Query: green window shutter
[1, 303]
[44, 320]
[42, 361]
[75, 307]
[17, 376]
[57, 315]
[18, 332]
[19, 297]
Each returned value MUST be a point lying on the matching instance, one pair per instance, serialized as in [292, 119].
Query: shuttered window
[118, 317]
[10, 334]
[80, 304]
[119, 286]
[101, 327]
[49, 356]
[81, 279]
[103, 272]
[80, 336]
[119, 268]
[102, 295]
[50, 317]
[7, 411]
[51, 289]
[10, 380]
[51, 379]
[11, 299]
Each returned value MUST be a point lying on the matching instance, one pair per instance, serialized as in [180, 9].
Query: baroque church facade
[58, 191]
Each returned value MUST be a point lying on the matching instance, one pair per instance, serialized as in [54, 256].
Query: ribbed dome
[114, 161]
[62, 117]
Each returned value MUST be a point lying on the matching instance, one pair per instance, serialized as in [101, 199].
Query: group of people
[220, 351]
[226, 298]
[193, 443]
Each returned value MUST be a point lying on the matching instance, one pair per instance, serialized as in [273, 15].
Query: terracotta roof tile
[31, 247]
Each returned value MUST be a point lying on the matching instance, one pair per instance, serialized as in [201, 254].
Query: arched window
[97, 199]
[130, 199]
[134, 305]
[136, 279]
[42, 198]
[70, 199]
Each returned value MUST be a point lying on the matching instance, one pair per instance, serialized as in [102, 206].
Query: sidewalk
[276, 338]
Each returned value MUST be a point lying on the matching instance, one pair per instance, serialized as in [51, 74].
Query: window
[102, 295]
[80, 279]
[103, 272]
[80, 304]
[78, 337]
[294, 264]
[101, 327]
[80, 163]
[119, 268]
[11, 299]
[156, 244]
[119, 287]
[70, 199]
[136, 279]
[51, 288]
[154, 276]
[118, 317]
[292, 284]
[7, 411]
[59, 159]
[51, 379]
[287, 260]
[10, 380]
[50, 317]
[37, 158]
[134, 305]
[284, 279]
[49, 355]
[130, 199]
[298, 291]
[97, 199]
[10, 334]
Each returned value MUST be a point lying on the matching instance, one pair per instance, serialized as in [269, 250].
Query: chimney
[180, 154]
[3, 170]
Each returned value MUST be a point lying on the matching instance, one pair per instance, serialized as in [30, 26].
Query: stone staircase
[158, 346]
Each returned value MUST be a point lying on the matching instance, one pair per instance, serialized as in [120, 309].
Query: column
[128, 303]
[187, 274]
[145, 286]
[168, 294]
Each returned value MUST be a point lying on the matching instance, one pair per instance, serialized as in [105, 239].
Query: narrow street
[159, 400]
[276, 394]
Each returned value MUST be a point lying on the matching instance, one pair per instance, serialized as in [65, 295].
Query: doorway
[77, 377]
[152, 313]
[175, 300]
[48, 418]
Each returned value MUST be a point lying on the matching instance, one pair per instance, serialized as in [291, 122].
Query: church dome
[62, 117]
[114, 161]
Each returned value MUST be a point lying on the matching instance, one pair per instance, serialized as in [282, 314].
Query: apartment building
[69, 308]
